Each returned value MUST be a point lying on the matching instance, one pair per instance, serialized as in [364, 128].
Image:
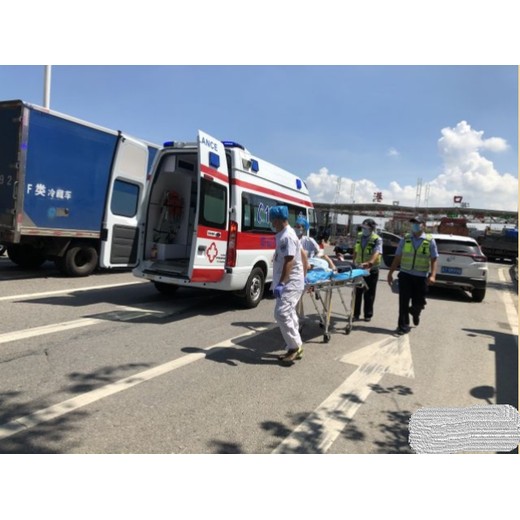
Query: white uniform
[287, 244]
[311, 246]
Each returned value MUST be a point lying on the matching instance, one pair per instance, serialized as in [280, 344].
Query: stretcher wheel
[326, 338]
[348, 328]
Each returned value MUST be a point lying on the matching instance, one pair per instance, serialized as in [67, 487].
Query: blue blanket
[319, 275]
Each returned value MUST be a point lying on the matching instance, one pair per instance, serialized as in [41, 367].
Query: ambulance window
[255, 213]
[213, 205]
[124, 199]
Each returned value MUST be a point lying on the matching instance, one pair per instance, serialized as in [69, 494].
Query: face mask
[299, 231]
[366, 232]
[416, 227]
[273, 228]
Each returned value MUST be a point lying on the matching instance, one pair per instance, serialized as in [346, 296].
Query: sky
[436, 131]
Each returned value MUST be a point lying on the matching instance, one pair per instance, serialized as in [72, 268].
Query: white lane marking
[321, 428]
[70, 405]
[65, 291]
[118, 315]
[511, 308]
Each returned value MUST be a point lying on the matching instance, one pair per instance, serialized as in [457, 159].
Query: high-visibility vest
[363, 255]
[416, 259]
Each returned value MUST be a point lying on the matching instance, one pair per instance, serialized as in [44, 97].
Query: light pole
[47, 87]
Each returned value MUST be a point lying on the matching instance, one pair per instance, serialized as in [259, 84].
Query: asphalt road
[106, 364]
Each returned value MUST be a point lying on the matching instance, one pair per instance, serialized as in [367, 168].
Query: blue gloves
[278, 290]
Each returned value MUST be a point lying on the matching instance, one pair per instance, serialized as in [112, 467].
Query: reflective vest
[364, 255]
[416, 259]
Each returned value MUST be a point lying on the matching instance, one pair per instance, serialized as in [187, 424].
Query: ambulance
[205, 218]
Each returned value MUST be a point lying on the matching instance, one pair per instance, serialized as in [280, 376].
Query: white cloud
[465, 171]
[392, 152]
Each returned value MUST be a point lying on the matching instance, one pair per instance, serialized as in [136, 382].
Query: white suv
[461, 264]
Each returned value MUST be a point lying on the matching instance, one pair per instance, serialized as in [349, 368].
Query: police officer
[288, 281]
[417, 254]
[367, 254]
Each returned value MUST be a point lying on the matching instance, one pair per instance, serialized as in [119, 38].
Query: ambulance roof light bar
[177, 144]
[232, 144]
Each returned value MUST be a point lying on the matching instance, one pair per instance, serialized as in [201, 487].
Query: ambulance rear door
[210, 235]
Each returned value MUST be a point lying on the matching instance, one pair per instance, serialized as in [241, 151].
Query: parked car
[461, 264]
[390, 243]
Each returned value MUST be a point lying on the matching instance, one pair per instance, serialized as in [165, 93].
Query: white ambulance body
[205, 218]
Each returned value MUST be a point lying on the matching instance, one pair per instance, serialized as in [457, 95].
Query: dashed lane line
[65, 291]
[122, 313]
[52, 412]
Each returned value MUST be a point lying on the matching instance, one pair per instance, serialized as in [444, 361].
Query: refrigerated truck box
[70, 191]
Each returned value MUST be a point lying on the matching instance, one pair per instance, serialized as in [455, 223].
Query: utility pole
[47, 87]
[418, 193]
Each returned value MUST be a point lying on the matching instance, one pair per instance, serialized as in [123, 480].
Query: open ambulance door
[210, 235]
[119, 236]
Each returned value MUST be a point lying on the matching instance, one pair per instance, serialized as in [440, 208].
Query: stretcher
[321, 285]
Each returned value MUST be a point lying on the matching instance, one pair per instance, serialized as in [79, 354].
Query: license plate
[451, 270]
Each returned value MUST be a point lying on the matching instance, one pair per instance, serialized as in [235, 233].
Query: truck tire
[80, 260]
[254, 289]
[166, 288]
[27, 257]
[477, 295]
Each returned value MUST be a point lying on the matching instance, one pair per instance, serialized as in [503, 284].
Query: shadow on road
[51, 436]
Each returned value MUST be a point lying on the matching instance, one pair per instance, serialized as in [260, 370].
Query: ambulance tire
[254, 290]
[80, 260]
[166, 288]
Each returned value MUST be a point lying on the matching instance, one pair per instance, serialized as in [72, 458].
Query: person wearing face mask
[367, 255]
[313, 258]
[416, 255]
[310, 246]
[288, 282]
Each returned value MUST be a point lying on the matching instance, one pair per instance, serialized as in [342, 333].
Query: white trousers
[287, 318]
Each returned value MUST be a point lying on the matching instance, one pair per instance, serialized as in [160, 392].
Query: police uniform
[416, 254]
[364, 248]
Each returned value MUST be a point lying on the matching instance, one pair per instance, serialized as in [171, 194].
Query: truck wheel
[166, 288]
[254, 289]
[25, 256]
[477, 295]
[79, 260]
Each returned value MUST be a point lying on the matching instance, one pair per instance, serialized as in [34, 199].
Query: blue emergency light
[214, 160]
[169, 143]
[298, 184]
[254, 165]
[232, 144]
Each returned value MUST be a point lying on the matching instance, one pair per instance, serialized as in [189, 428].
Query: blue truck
[70, 191]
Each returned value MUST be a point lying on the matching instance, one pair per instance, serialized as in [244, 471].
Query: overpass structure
[327, 213]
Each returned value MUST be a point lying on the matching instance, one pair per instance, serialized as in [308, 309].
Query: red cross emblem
[212, 252]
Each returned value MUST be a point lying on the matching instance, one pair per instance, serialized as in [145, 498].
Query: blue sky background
[375, 126]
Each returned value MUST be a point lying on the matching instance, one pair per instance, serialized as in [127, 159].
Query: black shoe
[368, 319]
[355, 318]
[401, 330]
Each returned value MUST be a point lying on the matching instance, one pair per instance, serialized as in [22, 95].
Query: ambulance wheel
[254, 289]
[80, 260]
[166, 288]
[326, 338]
